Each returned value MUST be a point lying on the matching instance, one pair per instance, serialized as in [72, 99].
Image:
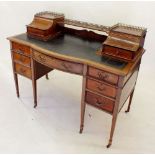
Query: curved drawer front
[20, 48]
[52, 62]
[102, 75]
[99, 102]
[101, 88]
[19, 58]
[25, 71]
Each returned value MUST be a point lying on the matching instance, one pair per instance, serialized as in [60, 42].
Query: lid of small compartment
[40, 23]
[128, 29]
[124, 44]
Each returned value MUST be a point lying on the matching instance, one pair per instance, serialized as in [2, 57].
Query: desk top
[76, 49]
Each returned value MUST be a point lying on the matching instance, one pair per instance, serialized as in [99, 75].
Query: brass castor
[126, 111]
[81, 130]
[108, 145]
[35, 105]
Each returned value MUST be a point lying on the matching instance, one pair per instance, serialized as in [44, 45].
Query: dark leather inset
[76, 47]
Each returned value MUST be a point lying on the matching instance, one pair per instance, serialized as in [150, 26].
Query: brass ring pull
[20, 51]
[42, 58]
[102, 75]
[101, 87]
[98, 103]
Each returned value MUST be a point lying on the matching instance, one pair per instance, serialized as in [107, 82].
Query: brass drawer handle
[103, 76]
[20, 51]
[42, 58]
[67, 67]
[98, 103]
[101, 87]
[22, 70]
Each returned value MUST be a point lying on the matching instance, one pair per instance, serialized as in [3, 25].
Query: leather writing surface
[76, 47]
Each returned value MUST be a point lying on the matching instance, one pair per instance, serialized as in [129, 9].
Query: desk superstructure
[109, 78]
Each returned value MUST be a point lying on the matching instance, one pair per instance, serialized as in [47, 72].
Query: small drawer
[66, 66]
[35, 31]
[99, 102]
[124, 54]
[20, 48]
[19, 58]
[109, 50]
[102, 75]
[101, 88]
[25, 71]
[117, 52]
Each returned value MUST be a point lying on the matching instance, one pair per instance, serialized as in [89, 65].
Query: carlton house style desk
[108, 59]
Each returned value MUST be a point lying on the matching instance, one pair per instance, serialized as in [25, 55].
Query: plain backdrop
[53, 127]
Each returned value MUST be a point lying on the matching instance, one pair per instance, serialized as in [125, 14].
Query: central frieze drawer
[101, 88]
[58, 63]
[99, 102]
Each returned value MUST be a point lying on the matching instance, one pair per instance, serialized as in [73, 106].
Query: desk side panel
[128, 87]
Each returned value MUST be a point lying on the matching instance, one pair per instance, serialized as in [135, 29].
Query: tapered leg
[15, 75]
[83, 104]
[112, 130]
[83, 107]
[47, 77]
[34, 84]
[16, 84]
[115, 111]
[130, 100]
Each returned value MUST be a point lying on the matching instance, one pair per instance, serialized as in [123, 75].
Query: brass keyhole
[42, 58]
[102, 75]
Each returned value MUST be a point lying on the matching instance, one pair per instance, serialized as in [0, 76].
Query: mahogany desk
[107, 83]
